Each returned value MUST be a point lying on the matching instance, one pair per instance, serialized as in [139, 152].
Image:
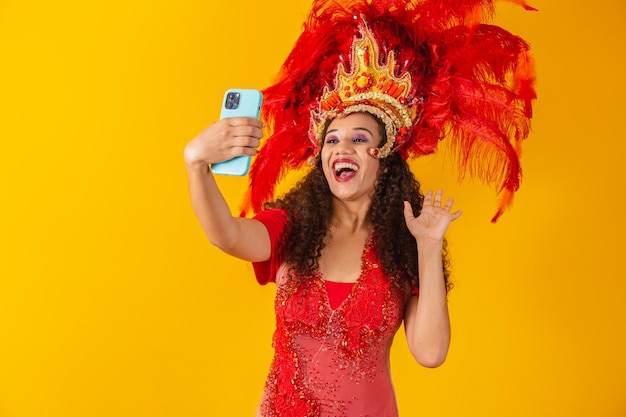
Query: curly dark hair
[309, 207]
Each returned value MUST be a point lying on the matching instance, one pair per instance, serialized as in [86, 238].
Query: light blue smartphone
[238, 102]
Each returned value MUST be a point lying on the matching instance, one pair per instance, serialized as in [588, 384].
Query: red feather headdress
[429, 69]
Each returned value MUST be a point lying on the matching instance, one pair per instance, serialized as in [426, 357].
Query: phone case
[238, 102]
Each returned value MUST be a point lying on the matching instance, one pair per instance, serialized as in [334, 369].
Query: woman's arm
[247, 239]
[426, 319]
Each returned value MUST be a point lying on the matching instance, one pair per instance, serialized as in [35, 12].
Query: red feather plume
[473, 83]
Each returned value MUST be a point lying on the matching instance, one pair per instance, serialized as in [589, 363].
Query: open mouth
[344, 170]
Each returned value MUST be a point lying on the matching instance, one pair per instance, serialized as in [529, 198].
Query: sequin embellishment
[334, 362]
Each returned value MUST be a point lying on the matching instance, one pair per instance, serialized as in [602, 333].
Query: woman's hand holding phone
[229, 144]
[238, 103]
[224, 140]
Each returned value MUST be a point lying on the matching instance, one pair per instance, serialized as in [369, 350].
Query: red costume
[331, 361]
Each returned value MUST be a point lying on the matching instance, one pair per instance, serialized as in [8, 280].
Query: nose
[343, 146]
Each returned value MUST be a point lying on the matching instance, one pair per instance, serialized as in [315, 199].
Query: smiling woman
[355, 249]
[343, 223]
[113, 304]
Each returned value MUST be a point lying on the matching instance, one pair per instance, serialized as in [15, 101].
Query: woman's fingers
[438, 196]
[428, 198]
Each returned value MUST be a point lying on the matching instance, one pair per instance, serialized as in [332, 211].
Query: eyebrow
[356, 128]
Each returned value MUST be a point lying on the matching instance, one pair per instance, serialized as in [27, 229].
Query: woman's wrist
[426, 243]
[192, 162]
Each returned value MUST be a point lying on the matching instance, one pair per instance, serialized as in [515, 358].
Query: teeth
[345, 165]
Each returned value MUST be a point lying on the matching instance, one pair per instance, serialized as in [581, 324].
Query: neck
[351, 216]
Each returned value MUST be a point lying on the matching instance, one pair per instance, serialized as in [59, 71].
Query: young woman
[355, 249]
[348, 257]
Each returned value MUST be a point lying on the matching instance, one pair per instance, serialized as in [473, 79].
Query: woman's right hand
[224, 140]
[244, 238]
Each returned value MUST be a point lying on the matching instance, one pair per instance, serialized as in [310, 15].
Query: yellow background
[112, 302]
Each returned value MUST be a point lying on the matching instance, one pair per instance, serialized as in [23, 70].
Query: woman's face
[350, 171]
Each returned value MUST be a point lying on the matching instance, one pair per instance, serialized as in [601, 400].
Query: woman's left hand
[434, 219]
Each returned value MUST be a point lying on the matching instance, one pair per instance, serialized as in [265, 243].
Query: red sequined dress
[330, 362]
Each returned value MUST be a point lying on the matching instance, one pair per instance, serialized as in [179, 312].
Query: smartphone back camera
[232, 100]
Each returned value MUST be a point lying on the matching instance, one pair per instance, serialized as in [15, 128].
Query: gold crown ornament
[372, 88]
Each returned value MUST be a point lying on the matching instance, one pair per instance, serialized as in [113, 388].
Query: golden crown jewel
[371, 88]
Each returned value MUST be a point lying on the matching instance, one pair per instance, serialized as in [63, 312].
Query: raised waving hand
[433, 220]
